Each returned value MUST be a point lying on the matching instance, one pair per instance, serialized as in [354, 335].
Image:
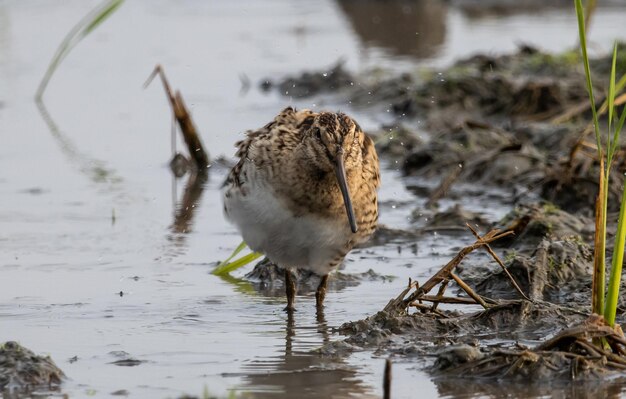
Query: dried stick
[499, 262]
[597, 282]
[387, 380]
[427, 308]
[182, 115]
[446, 299]
[589, 348]
[469, 290]
[398, 301]
[444, 272]
[442, 290]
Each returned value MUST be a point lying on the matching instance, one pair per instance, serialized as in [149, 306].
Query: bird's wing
[370, 160]
[284, 132]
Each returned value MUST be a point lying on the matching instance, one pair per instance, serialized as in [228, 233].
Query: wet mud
[101, 244]
[518, 123]
[23, 373]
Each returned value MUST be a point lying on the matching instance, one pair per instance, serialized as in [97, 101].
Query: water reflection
[192, 195]
[459, 388]
[95, 169]
[409, 28]
[444, 31]
[185, 210]
[299, 373]
[498, 8]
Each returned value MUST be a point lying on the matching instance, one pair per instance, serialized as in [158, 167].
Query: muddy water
[92, 270]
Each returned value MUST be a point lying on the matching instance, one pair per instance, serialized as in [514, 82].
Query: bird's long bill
[340, 172]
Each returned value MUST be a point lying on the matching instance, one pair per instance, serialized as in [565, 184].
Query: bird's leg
[320, 294]
[290, 287]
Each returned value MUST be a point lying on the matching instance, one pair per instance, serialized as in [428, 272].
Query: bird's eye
[318, 133]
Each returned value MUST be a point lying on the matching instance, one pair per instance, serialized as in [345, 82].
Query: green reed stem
[600, 306]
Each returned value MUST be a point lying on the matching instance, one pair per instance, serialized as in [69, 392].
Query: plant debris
[186, 124]
[570, 355]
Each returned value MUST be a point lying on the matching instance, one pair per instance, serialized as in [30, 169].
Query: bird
[304, 192]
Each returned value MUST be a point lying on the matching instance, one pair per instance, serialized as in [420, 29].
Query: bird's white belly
[267, 226]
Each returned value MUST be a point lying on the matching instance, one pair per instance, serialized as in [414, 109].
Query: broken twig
[387, 380]
[499, 262]
[444, 273]
[182, 115]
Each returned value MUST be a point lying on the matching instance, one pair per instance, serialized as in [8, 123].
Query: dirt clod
[21, 371]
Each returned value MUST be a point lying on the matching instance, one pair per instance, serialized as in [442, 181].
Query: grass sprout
[230, 265]
[83, 28]
[604, 302]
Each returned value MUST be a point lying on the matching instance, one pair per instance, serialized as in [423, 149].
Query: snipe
[304, 192]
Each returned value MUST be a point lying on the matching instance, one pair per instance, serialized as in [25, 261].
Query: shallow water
[93, 271]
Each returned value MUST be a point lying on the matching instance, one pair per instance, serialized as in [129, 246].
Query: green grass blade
[225, 268]
[619, 86]
[611, 98]
[239, 248]
[85, 26]
[583, 47]
[618, 130]
[103, 14]
[620, 125]
[616, 269]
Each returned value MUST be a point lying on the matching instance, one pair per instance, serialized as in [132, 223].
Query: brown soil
[22, 372]
[517, 122]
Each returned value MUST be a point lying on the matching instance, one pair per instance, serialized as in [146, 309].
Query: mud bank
[519, 123]
[24, 373]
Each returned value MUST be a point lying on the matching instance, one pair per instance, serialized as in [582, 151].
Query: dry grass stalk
[597, 300]
[444, 273]
[575, 344]
[387, 380]
[443, 277]
[469, 290]
[183, 117]
[442, 290]
[499, 262]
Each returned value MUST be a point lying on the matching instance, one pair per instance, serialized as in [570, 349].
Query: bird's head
[333, 142]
